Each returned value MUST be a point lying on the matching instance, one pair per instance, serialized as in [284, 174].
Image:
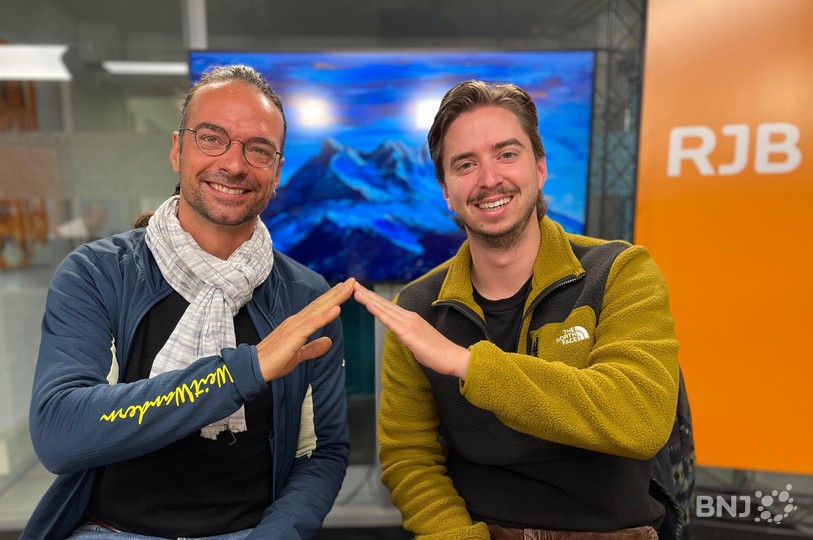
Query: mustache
[483, 195]
[227, 180]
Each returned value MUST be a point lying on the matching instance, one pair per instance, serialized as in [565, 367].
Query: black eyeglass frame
[226, 149]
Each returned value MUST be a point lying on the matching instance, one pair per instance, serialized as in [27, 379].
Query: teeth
[224, 189]
[495, 204]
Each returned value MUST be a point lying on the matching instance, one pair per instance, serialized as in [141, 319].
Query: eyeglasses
[216, 142]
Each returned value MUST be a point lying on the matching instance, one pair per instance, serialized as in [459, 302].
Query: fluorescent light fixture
[33, 63]
[126, 67]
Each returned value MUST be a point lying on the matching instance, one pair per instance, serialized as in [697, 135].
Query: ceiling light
[123, 67]
[33, 63]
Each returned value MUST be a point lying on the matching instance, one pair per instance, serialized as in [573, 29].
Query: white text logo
[572, 335]
[771, 507]
[775, 149]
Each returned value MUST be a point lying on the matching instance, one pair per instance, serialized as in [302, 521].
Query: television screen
[358, 194]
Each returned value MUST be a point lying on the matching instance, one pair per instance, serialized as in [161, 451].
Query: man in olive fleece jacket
[527, 381]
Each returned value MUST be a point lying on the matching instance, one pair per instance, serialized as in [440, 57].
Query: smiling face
[492, 177]
[224, 194]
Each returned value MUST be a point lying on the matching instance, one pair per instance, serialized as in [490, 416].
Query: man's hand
[429, 346]
[285, 347]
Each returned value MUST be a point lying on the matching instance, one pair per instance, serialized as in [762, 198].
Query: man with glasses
[190, 380]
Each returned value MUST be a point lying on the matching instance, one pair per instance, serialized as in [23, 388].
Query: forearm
[79, 422]
[412, 458]
[613, 407]
[423, 493]
[614, 392]
[307, 496]
[322, 452]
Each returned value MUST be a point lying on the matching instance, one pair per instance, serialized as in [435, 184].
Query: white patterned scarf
[215, 289]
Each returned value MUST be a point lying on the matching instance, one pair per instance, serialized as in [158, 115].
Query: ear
[277, 176]
[541, 172]
[175, 153]
[446, 196]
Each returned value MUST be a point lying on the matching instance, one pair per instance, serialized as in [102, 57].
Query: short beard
[512, 237]
[502, 241]
[195, 200]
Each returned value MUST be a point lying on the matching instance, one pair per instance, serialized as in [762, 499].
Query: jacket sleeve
[316, 472]
[412, 458]
[623, 402]
[78, 420]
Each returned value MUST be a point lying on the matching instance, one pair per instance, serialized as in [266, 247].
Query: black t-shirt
[504, 317]
[194, 486]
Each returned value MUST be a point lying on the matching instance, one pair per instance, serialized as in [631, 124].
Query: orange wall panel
[725, 204]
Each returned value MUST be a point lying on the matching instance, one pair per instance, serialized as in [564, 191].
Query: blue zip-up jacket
[79, 421]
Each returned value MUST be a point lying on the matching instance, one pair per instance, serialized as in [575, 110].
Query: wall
[724, 197]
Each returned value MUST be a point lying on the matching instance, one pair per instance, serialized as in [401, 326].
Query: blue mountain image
[376, 216]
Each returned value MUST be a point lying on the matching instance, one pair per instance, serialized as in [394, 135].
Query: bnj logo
[771, 507]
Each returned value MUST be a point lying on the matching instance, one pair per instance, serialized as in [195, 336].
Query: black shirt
[504, 317]
[194, 486]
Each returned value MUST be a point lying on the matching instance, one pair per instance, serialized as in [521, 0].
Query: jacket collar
[555, 260]
[145, 264]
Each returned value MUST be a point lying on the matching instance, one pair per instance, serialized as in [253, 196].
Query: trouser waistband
[101, 523]
[506, 533]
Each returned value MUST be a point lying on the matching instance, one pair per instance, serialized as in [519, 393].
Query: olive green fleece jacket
[597, 370]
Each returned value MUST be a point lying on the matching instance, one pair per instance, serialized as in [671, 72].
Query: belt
[99, 522]
[507, 533]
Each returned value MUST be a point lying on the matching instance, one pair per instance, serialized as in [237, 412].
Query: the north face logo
[572, 335]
